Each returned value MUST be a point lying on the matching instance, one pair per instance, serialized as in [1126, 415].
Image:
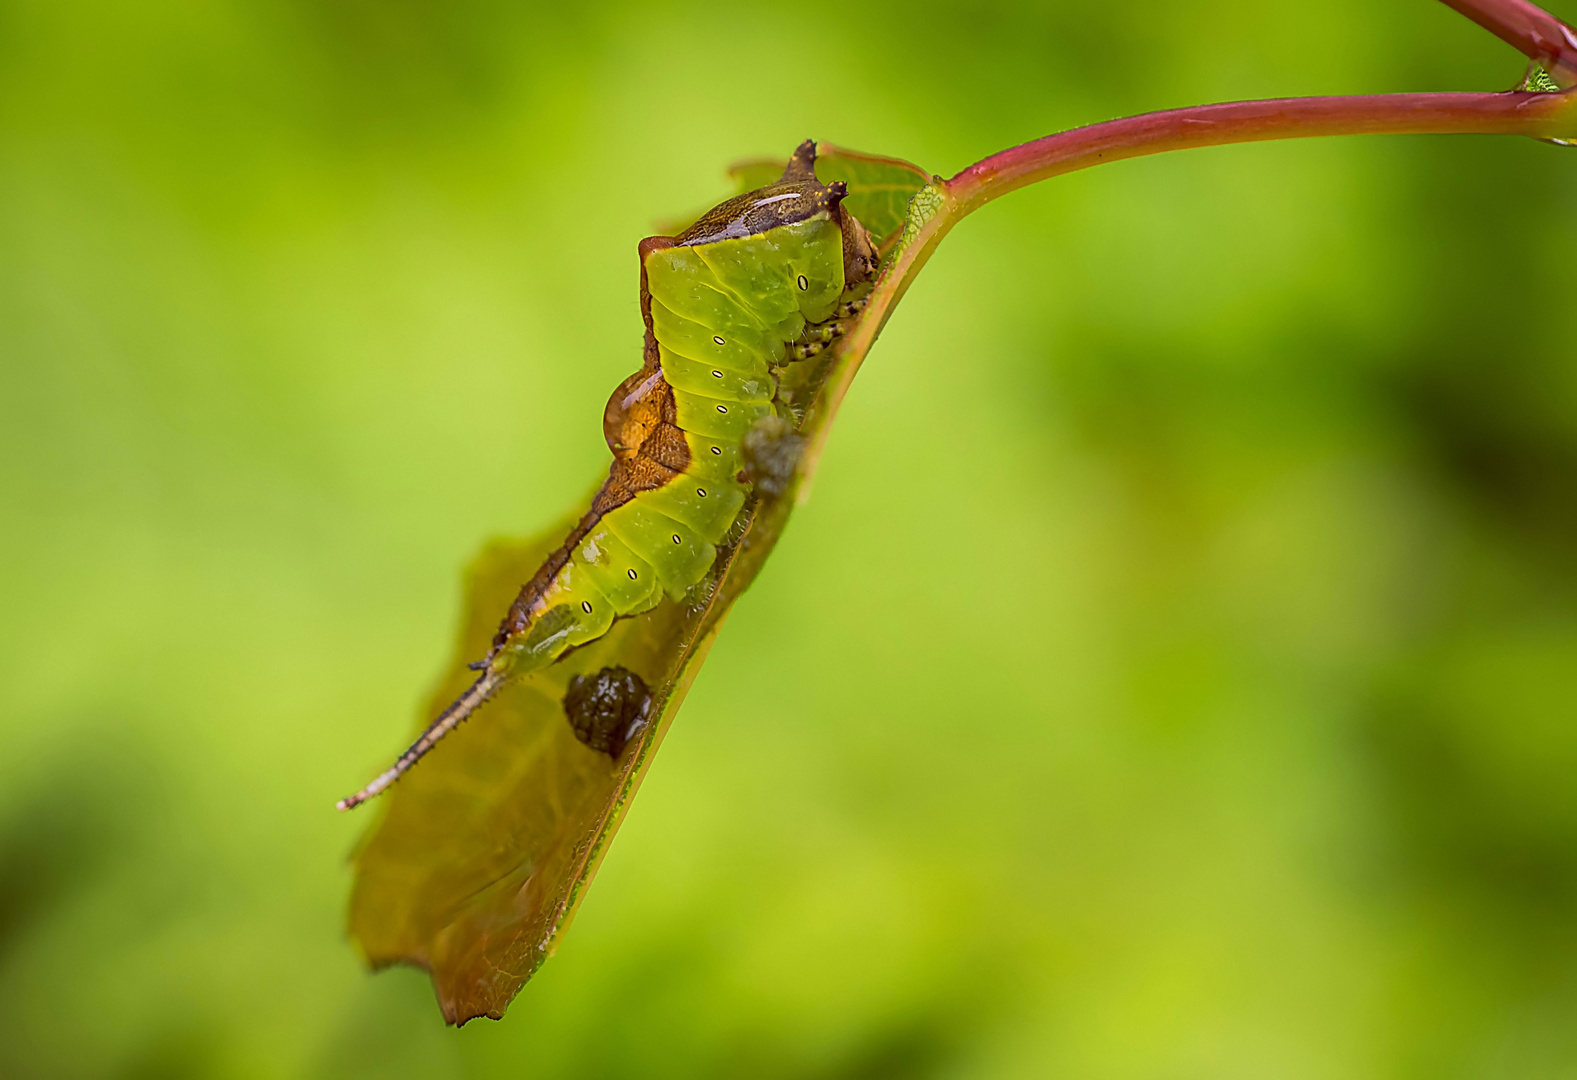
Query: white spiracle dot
[803, 284]
[585, 605]
[678, 539]
[631, 572]
[719, 340]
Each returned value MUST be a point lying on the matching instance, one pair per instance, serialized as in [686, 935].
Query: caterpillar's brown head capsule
[797, 196]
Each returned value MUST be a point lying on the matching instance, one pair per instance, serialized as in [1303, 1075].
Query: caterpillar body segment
[706, 506]
[676, 551]
[693, 377]
[712, 459]
[719, 417]
[738, 350]
[759, 281]
[627, 581]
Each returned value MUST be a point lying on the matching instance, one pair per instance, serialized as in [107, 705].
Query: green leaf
[484, 850]
[879, 187]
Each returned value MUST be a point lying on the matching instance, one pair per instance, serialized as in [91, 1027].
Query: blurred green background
[1172, 675]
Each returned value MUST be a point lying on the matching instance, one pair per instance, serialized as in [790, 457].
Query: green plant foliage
[486, 849]
[1538, 81]
[1171, 673]
[480, 858]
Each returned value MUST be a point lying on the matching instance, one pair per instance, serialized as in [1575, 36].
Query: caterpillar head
[797, 196]
[859, 250]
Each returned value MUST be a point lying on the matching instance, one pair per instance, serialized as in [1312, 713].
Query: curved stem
[1538, 115]
[1528, 28]
[1544, 116]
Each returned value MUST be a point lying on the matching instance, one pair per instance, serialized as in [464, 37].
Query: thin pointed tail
[466, 704]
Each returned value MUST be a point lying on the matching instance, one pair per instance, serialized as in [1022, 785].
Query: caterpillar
[762, 281]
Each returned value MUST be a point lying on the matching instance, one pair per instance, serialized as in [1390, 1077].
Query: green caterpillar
[759, 282]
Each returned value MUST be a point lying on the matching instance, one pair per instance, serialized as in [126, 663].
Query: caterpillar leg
[852, 307]
[818, 336]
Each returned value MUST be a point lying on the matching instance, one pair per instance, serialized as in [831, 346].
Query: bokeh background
[1172, 674]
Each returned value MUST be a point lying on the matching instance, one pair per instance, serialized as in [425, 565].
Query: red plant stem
[1538, 115]
[1542, 116]
[1528, 28]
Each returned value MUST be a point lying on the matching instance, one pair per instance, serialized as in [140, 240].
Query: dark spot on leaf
[607, 708]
